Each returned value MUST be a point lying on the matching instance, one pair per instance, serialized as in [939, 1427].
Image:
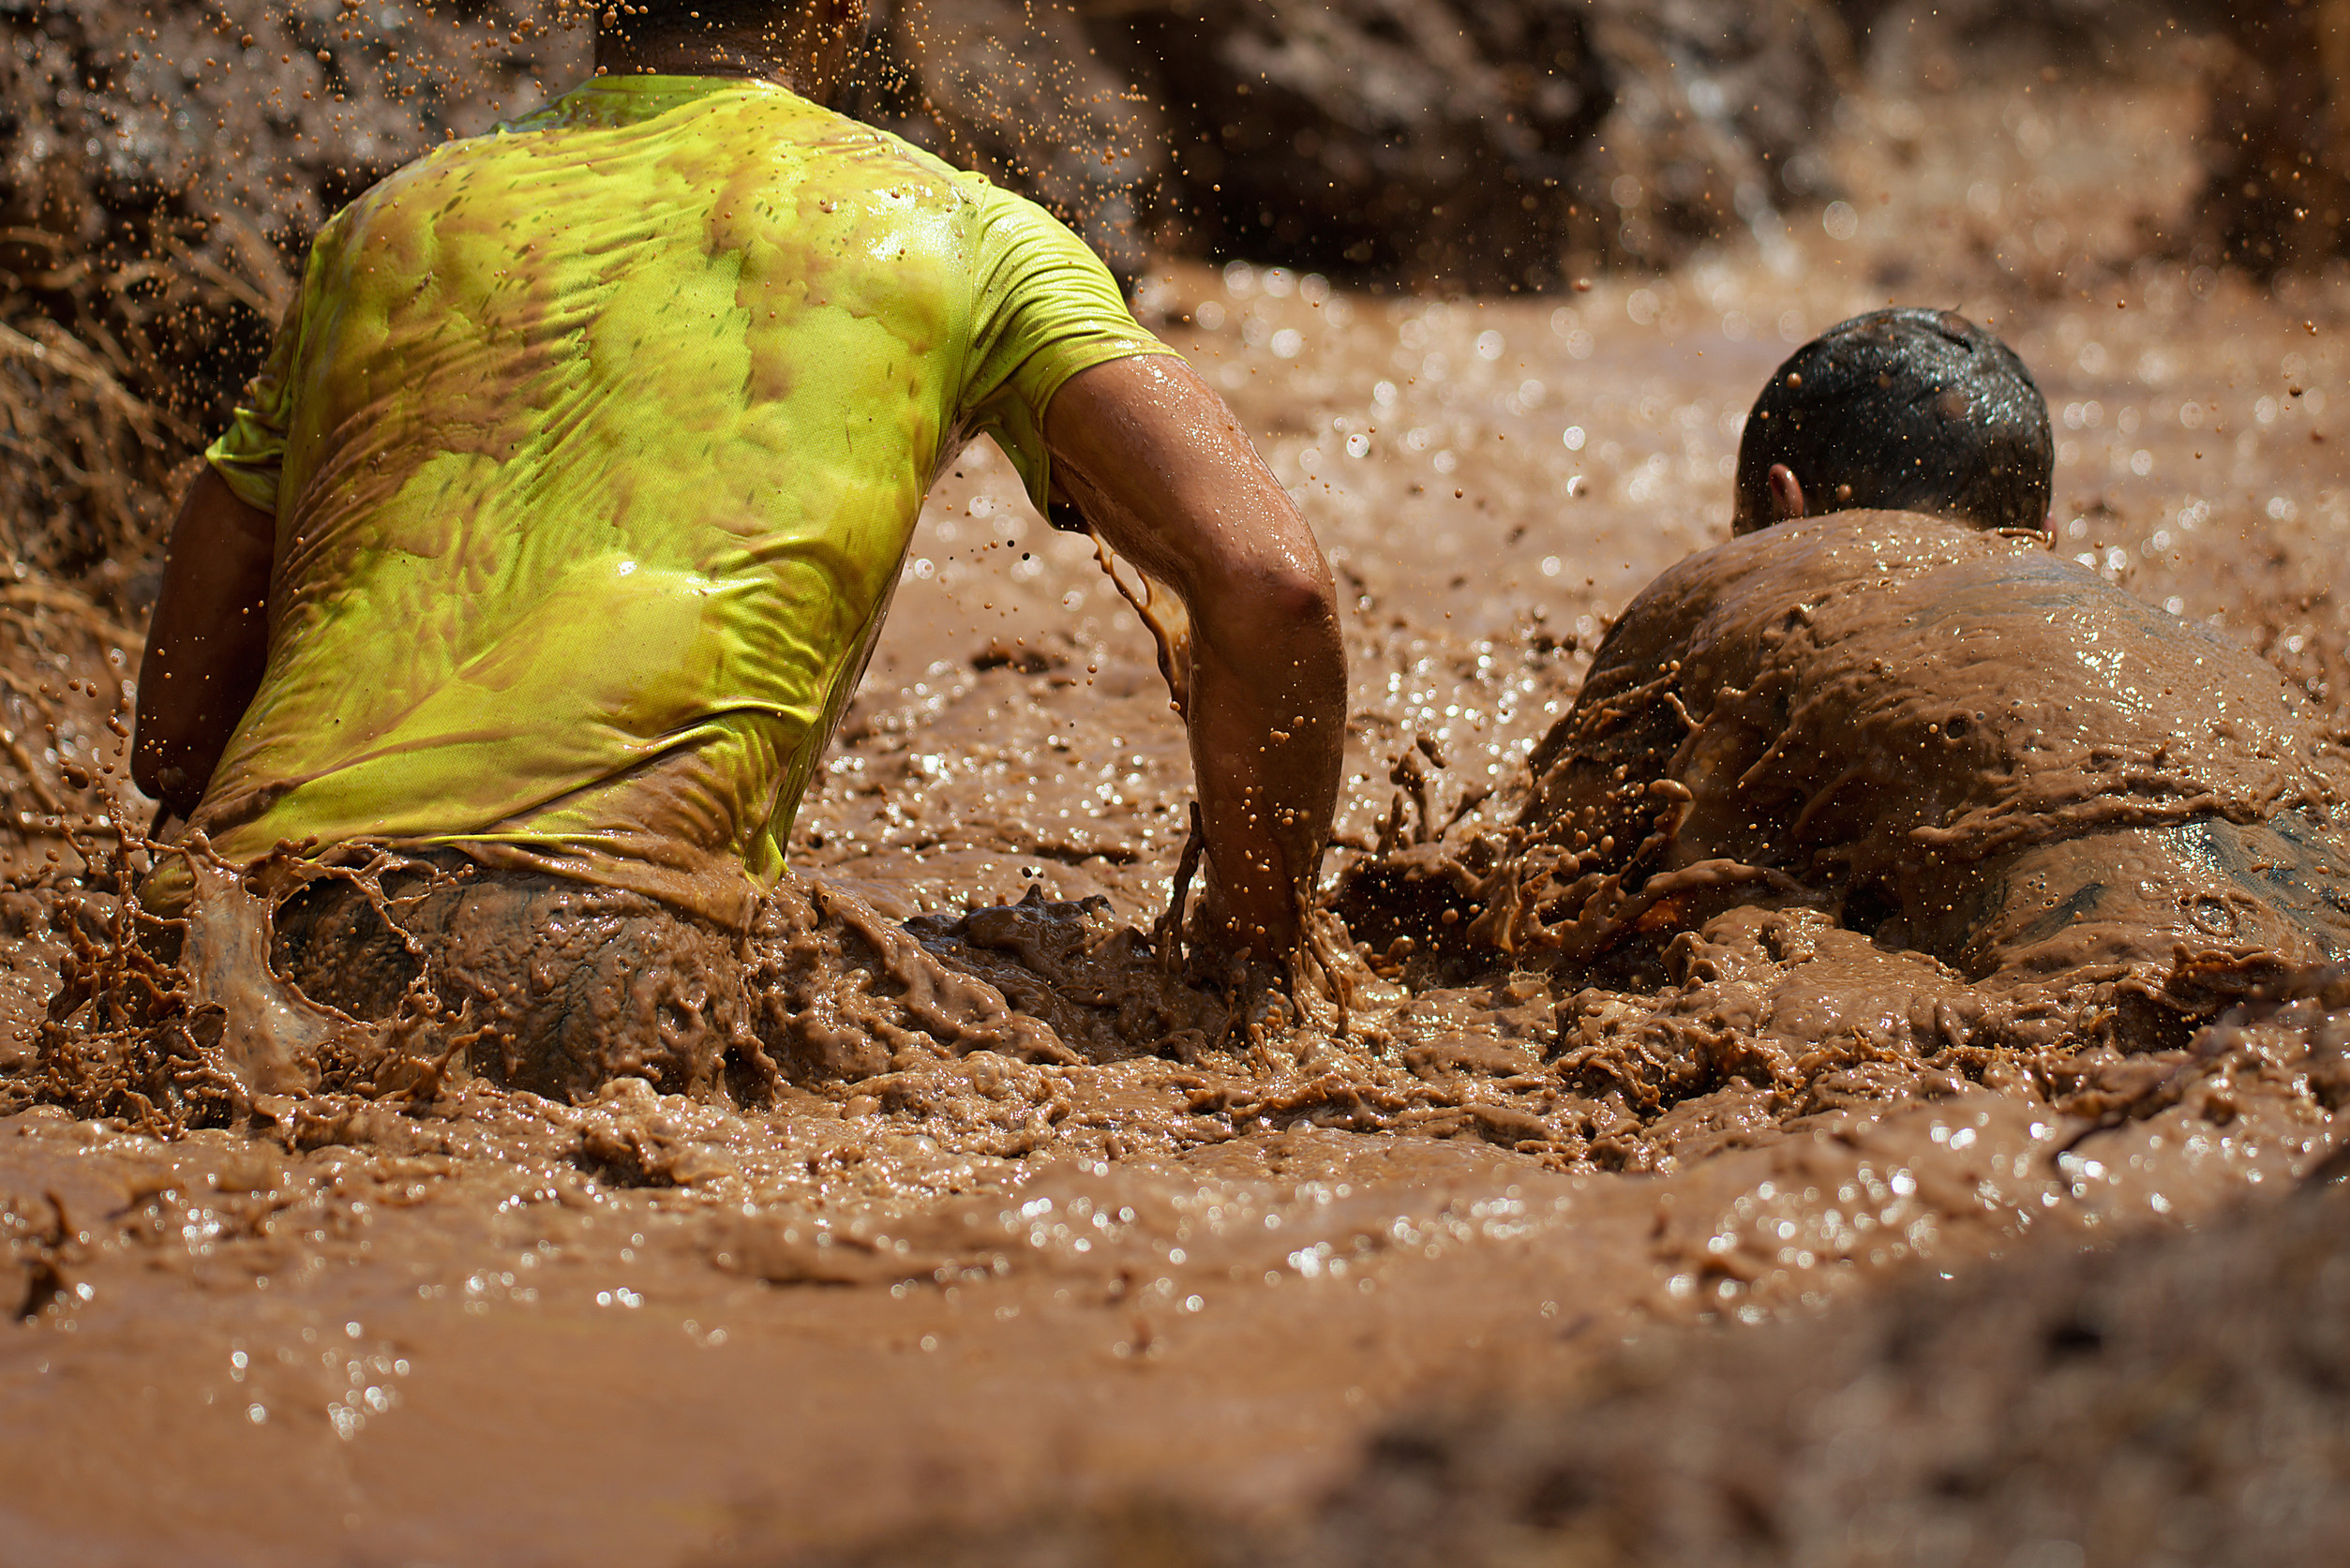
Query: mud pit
[1195, 1257]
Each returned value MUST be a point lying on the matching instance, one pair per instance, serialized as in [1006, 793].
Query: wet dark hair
[1912, 410]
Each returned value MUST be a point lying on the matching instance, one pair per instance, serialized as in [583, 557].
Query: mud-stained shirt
[595, 446]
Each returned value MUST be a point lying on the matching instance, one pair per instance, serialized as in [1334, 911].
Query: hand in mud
[1211, 939]
[1261, 994]
[1216, 957]
[1218, 947]
[1261, 990]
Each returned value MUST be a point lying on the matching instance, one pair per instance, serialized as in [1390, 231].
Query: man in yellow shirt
[558, 527]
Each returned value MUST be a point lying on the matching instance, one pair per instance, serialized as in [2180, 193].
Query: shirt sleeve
[1043, 308]
[251, 453]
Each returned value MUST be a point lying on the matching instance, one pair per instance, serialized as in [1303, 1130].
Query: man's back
[1865, 681]
[595, 446]
[1887, 706]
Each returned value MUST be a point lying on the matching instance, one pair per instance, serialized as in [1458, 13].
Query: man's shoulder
[1743, 588]
[748, 120]
[871, 141]
[829, 143]
[1838, 550]
[1860, 540]
[832, 161]
[886, 161]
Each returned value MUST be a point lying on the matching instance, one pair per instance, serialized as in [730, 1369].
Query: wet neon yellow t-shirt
[595, 446]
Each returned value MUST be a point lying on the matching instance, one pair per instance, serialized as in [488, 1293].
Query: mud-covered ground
[1437, 1277]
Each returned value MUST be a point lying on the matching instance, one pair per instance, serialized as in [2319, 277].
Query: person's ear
[1787, 494]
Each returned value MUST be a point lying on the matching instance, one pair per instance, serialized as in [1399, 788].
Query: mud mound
[2273, 77]
[1492, 147]
[1933, 44]
[2174, 1398]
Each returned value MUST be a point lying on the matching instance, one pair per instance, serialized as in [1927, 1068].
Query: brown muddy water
[1032, 1231]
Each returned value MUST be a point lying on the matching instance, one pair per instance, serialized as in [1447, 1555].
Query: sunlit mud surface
[1029, 1217]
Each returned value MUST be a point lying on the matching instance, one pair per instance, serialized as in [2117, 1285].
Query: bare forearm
[1268, 741]
[1162, 472]
[206, 643]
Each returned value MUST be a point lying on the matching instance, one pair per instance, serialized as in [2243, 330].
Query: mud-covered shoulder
[1711, 619]
[1719, 600]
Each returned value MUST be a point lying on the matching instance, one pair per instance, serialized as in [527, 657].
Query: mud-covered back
[1841, 696]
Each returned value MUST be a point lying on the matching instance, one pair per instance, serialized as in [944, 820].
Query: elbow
[1286, 598]
[1277, 625]
[1303, 598]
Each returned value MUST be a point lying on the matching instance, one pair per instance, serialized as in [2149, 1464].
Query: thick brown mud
[978, 1217]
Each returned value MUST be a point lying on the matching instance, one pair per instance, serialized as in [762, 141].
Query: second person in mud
[1888, 695]
[555, 533]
